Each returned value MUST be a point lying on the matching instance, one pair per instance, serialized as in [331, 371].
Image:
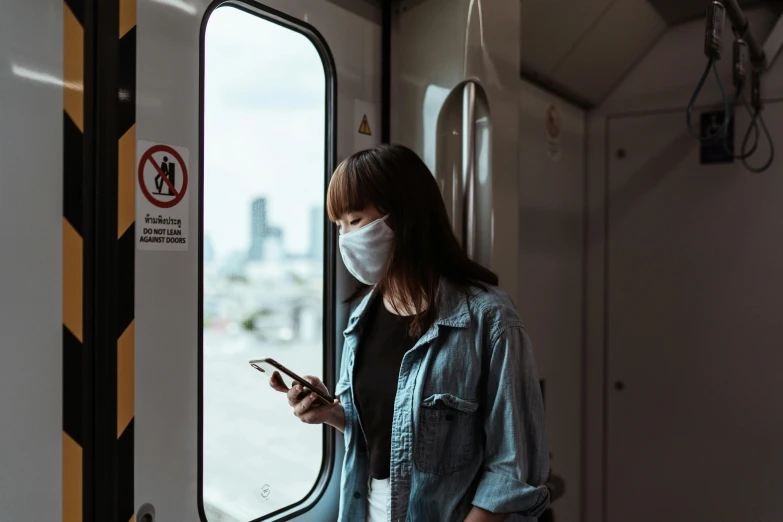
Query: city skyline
[262, 138]
[265, 239]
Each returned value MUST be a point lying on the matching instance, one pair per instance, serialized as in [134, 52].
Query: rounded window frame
[329, 305]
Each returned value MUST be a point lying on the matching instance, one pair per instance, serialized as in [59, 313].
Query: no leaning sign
[161, 197]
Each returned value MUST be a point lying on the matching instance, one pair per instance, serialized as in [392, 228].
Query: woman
[438, 397]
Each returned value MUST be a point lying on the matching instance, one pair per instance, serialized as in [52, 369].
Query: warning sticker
[161, 197]
[366, 130]
[364, 126]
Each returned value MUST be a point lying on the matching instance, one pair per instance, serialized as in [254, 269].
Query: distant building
[266, 242]
[261, 232]
[259, 229]
[317, 223]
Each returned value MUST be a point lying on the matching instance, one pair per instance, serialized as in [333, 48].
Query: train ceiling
[679, 11]
[582, 49]
[597, 41]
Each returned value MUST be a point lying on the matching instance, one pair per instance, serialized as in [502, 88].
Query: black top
[384, 343]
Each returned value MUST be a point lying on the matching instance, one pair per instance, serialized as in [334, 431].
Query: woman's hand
[305, 405]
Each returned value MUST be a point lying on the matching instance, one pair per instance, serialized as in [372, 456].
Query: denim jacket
[468, 423]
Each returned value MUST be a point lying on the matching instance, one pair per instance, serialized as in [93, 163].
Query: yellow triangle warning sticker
[364, 128]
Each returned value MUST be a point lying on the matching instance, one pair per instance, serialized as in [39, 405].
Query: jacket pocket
[446, 438]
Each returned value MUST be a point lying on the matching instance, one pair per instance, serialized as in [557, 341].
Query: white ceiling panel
[551, 28]
[582, 49]
[610, 49]
[679, 11]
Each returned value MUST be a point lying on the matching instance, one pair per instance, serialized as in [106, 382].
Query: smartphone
[270, 366]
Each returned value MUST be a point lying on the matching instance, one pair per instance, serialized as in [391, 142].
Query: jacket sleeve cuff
[503, 494]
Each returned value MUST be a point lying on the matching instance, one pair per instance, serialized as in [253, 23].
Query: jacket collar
[453, 307]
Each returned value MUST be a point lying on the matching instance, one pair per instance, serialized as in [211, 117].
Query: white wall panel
[31, 210]
[550, 196]
[694, 301]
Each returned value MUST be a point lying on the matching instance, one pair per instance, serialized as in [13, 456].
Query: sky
[264, 124]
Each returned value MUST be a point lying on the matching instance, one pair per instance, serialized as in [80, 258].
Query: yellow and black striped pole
[73, 261]
[126, 248]
[99, 42]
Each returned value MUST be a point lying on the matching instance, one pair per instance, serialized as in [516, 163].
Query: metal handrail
[470, 189]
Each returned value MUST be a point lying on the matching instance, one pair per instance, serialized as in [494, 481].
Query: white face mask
[366, 250]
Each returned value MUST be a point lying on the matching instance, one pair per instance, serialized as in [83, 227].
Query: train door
[695, 360]
[236, 132]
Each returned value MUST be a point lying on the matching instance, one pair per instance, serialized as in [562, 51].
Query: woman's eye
[355, 222]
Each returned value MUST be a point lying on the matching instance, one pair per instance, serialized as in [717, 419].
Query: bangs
[345, 194]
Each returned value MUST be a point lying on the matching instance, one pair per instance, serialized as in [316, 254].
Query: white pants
[377, 500]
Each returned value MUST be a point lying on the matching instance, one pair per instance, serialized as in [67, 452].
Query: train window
[266, 101]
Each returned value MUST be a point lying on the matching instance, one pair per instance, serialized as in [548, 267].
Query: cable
[757, 103]
[741, 58]
[726, 113]
[768, 164]
[713, 44]
[753, 126]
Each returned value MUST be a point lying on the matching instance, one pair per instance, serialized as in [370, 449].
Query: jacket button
[356, 495]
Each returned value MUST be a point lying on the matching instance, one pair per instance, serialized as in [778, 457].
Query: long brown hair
[397, 182]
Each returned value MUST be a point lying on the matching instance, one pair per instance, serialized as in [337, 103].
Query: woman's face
[351, 221]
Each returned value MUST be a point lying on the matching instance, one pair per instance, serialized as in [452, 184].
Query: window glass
[264, 164]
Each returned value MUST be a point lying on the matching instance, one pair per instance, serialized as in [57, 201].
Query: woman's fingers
[317, 383]
[303, 391]
[276, 382]
[306, 405]
[302, 407]
[295, 394]
[316, 413]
